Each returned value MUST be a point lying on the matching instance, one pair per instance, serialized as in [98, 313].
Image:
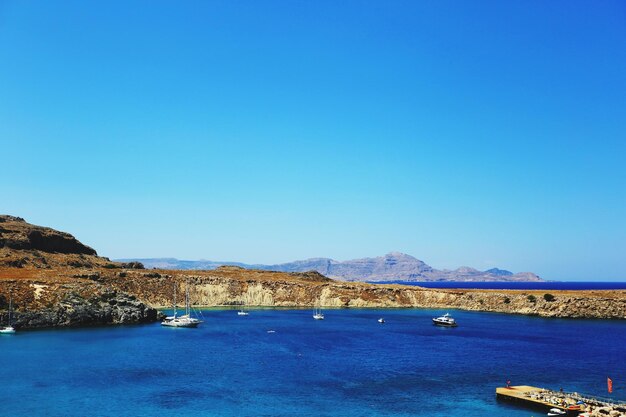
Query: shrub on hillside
[548, 297]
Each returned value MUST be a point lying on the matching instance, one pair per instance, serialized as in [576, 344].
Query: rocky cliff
[75, 289]
[15, 233]
[54, 280]
[394, 266]
[233, 285]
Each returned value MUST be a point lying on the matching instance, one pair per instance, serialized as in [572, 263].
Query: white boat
[242, 311]
[185, 320]
[556, 412]
[381, 320]
[318, 315]
[446, 321]
[8, 329]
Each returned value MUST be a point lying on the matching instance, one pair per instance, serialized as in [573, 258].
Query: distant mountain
[394, 266]
[173, 263]
[500, 272]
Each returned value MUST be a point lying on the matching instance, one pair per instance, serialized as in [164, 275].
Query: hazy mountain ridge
[394, 266]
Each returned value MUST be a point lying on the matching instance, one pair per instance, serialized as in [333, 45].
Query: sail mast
[174, 298]
[187, 298]
[10, 307]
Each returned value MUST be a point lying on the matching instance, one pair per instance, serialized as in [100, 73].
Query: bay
[278, 362]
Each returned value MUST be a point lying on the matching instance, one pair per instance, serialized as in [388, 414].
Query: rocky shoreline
[56, 281]
[74, 310]
[48, 298]
[231, 285]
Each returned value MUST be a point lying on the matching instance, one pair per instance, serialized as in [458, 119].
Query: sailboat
[242, 311]
[185, 320]
[317, 314]
[9, 329]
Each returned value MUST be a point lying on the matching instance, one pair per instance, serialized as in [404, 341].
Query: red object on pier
[609, 384]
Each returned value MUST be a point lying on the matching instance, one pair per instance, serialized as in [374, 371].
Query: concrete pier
[573, 403]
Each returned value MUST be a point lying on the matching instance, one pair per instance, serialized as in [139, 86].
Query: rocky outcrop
[132, 265]
[55, 280]
[15, 233]
[394, 266]
[74, 310]
[24, 245]
[66, 302]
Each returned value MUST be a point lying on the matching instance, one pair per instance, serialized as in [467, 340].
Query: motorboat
[556, 412]
[381, 320]
[446, 321]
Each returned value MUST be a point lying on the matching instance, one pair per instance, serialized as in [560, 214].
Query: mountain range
[394, 266]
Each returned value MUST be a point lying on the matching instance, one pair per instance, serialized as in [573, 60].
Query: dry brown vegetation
[37, 278]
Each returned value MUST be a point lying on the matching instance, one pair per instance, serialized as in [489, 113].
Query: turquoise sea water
[346, 365]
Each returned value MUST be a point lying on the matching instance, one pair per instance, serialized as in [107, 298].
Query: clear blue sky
[463, 133]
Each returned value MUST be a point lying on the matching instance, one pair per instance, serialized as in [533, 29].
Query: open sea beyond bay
[512, 285]
[346, 365]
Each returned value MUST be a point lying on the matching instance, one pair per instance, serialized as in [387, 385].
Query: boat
[317, 314]
[185, 320]
[8, 329]
[446, 321]
[556, 412]
[242, 311]
[381, 320]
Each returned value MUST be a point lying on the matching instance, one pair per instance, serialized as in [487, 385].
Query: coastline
[56, 281]
[227, 286]
[71, 297]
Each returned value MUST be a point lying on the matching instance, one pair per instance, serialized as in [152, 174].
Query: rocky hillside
[15, 233]
[24, 245]
[233, 285]
[394, 266]
[53, 280]
[63, 288]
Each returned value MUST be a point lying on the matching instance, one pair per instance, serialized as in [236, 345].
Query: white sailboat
[242, 311]
[8, 329]
[185, 320]
[317, 314]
